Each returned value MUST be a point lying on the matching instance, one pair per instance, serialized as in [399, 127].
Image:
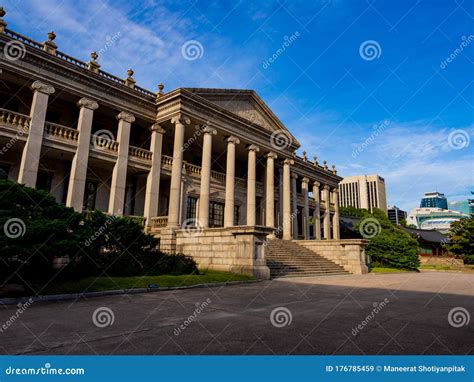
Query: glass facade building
[434, 200]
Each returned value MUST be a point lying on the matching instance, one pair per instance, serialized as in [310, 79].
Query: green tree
[389, 246]
[461, 238]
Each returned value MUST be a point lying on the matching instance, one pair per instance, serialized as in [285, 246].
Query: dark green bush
[96, 244]
[469, 259]
[391, 247]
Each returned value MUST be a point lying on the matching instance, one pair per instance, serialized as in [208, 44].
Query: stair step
[289, 259]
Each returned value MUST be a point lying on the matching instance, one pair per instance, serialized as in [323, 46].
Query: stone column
[304, 188]
[251, 179]
[270, 190]
[119, 173]
[32, 151]
[230, 182]
[336, 235]
[287, 200]
[294, 205]
[152, 191]
[327, 214]
[317, 211]
[204, 194]
[176, 170]
[77, 178]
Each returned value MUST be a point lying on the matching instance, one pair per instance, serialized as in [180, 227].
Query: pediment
[245, 104]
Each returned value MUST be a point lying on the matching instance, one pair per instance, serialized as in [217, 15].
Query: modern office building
[213, 172]
[434, 200]
[396, 215]
[433, 218]
[465, 207]
[363, 191]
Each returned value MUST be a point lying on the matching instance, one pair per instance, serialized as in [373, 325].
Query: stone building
[213, 172]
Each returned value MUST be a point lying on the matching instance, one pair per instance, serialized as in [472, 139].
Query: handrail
[60, 131]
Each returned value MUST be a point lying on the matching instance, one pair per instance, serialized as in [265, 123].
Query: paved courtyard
[310, 316]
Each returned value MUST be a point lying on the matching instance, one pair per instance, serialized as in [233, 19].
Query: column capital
[88, 104]
[253, 148]
[316, 184]
[42, 87]
[326, 187]
[289, 161]
[127, 117]
[305, 180]
[180, 118]
[294, 175]
[335, 190]
[157, 129]
[271, 155]
[208, 130]
[232, 139]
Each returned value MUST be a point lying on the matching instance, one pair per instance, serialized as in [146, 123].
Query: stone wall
[238, 249]
[348, 253]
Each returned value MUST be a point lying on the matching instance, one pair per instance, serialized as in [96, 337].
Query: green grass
[436, 267]
[389, 270]
[93, 284]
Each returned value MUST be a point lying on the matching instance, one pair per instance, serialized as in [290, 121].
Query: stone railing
[166, 161]
[192, 169]
[159, 221]
[102, 143]
[15, 120]
[58, 131]
[81, 64]
[219, 176]
[140, 153]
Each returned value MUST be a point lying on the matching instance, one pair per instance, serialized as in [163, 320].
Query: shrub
[461, 237]
[95, 243]
[391, 247]
[469, 259]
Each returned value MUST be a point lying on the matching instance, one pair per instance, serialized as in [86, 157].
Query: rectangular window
[216, 214]
[191, 208]
[90, 195]
[236, 215]
[4, 172]
[44, 181]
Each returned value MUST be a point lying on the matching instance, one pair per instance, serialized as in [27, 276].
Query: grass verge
[389, 270]
[93, 284]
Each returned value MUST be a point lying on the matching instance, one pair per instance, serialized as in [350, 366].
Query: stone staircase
[286, 258]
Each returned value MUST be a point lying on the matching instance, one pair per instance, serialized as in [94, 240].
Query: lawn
[389, 270]
[93, 284]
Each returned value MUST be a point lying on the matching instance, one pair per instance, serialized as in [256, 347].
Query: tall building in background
[363, 191]
[466, 206]
[434, 200]
[396, 215]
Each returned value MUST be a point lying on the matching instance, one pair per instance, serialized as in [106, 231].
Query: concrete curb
[75, 296]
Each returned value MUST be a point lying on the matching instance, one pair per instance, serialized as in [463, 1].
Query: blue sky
[412, 102]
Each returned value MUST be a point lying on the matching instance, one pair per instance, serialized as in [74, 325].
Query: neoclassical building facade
[213, 172]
